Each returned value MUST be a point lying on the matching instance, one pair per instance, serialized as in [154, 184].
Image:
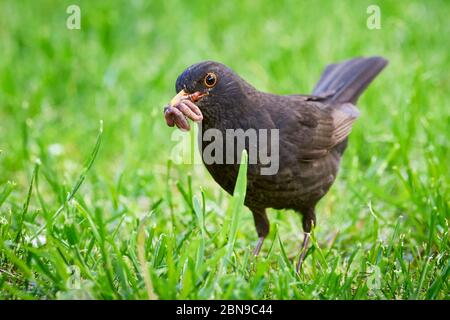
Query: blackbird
[312, 129]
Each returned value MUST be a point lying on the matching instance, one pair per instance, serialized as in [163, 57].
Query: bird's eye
[210, 80]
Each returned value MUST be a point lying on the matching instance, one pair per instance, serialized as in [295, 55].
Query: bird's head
[211, 86]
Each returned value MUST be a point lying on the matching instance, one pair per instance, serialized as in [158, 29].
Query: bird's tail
[345, 81]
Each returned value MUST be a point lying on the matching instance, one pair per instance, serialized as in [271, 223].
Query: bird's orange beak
[194, 97]
[180, 96]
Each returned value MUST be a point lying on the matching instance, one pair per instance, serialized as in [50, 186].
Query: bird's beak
[194, 97]
[180, 96]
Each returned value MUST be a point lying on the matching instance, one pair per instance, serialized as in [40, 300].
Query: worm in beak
[182, 107]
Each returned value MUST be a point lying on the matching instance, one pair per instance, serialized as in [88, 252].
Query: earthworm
[178, 112]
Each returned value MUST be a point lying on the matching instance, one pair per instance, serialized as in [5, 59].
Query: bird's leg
[258, 246]
[309, 219]
[262, 227]
[304, 249]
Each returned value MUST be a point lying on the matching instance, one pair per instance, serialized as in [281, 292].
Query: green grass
[113, 218]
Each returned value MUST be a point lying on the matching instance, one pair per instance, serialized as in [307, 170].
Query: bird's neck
[233, 112]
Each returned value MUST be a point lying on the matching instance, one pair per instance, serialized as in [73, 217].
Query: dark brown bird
[313, 132]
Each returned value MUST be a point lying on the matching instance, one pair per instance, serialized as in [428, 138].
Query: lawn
[94, 203]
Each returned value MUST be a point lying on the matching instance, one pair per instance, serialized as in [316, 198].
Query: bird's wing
[343, 117]
[320, 128]
[308, 97]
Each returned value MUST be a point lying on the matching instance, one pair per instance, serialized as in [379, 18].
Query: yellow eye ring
[210, 79]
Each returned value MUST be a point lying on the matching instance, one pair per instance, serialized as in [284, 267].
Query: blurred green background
[56, 85]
